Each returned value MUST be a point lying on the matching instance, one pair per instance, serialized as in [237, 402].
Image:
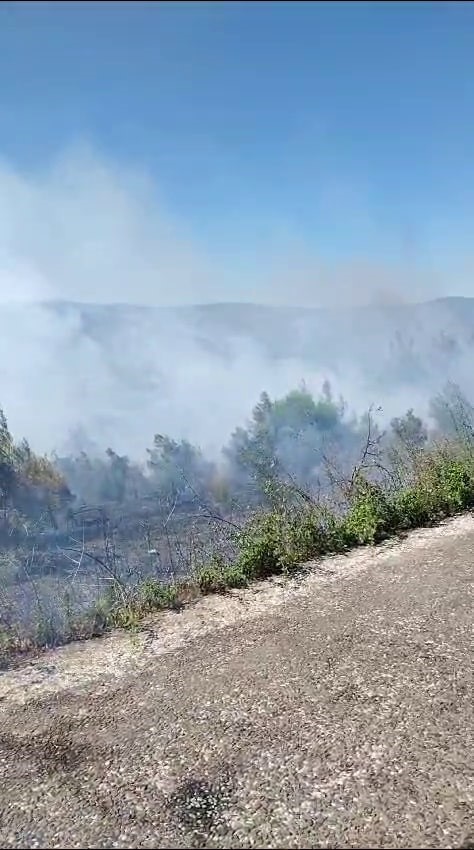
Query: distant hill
[277, 329]
[431, 335]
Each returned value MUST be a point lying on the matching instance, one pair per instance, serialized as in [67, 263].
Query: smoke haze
[87, 233]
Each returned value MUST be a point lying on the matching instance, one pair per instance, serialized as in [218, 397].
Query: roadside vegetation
[92, 543]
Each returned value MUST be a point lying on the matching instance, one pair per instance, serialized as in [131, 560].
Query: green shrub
[261, 545]
[455, 485]
[414, 507]
[370, 518]
[278, 541]
[154, 595]
[217, 578]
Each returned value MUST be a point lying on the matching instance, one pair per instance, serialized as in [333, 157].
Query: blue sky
[341, 130]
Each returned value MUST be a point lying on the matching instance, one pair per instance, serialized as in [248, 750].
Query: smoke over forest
[151, 404]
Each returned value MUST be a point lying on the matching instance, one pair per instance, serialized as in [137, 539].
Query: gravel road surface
[330, 711]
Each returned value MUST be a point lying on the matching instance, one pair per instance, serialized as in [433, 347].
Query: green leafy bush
[370, 517]
[217, 577]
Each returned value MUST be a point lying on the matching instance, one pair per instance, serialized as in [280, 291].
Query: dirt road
[332, 711]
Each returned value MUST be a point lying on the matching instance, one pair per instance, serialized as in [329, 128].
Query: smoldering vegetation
[84, 528]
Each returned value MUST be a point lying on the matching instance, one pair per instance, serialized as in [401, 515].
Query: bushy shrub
[370, 517]
[218, 577]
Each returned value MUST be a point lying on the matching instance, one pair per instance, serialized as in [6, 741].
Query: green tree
[287, 438]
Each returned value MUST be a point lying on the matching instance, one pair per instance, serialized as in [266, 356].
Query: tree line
[298, 440]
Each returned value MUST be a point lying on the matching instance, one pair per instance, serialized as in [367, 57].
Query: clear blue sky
[348, 122]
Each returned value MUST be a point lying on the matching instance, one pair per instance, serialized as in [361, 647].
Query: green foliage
[454, 483]
[154, 595]
[278, 541]
[414, 508]
[285, 440]
[260, 546]
[298, 409]
[444, 485]
[218, 577]
[370, 517]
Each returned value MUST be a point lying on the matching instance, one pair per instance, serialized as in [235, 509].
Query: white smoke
[89, 231]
